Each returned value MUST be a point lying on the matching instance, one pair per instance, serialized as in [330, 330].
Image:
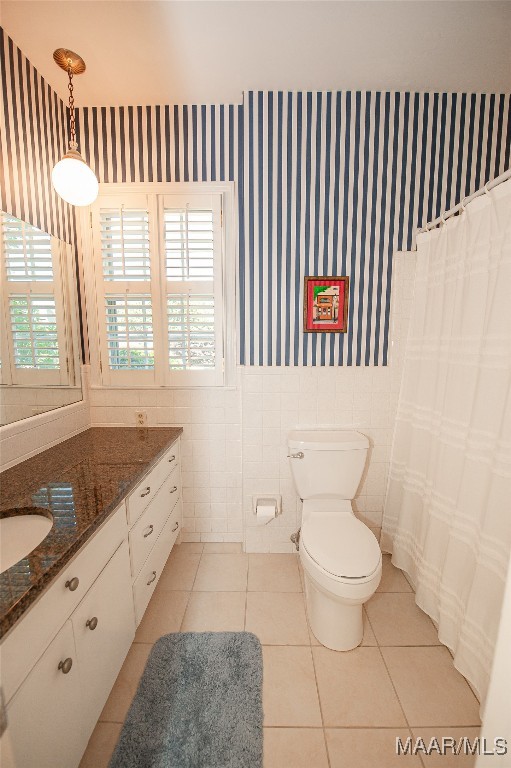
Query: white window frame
[59, 289]
[160, 194]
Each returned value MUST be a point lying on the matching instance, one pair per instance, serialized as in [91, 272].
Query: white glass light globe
[74, 181]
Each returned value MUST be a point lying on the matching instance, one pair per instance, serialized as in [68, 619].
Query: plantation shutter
[34, 344]
[192, 229]
[158, 271]
[125, 247]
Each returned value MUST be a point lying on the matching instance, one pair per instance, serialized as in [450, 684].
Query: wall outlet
[141, 418]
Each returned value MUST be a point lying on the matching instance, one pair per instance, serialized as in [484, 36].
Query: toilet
[340, 556]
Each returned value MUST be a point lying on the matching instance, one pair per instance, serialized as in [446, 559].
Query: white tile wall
[211, 449]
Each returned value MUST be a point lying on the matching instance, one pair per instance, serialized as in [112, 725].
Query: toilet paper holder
[276, 497]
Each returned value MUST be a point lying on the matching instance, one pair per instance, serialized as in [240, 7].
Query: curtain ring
[463, 206]
[486, 189]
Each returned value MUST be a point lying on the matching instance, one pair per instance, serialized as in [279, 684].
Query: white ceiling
[151, 52]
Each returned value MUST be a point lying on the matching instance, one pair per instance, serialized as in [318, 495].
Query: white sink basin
[20, 533]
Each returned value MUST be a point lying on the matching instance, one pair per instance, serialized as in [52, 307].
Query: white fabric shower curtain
[447, 518]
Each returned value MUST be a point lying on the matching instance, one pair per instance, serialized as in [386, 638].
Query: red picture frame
[325, 304]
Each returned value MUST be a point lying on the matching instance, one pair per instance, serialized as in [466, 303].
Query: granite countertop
[80, 481]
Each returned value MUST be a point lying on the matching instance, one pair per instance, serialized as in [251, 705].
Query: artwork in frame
[325, 304]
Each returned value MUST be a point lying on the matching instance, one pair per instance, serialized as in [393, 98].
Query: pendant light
[72, 178]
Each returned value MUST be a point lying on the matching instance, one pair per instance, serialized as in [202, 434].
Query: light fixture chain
[73, 180]
[72, 126]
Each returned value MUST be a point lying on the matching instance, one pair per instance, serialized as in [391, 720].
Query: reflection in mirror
[39, 341]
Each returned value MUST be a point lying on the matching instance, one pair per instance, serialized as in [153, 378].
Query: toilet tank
[327, 463]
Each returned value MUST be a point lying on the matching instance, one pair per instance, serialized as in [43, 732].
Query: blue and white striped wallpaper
[161, 143]
[334, 183]
[33, 137]
[327, 183]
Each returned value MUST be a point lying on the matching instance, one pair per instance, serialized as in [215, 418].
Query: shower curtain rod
[461, 206]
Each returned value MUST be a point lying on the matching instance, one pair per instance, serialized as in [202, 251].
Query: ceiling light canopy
[72, 178]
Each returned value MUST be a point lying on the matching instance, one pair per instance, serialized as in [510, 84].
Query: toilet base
[336, 624]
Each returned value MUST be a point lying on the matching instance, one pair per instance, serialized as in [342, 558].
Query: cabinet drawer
[145, 583]
[148, 527]
[104, 628]
[22, 647]
[147, 489]
[172, 457]
[45, 716]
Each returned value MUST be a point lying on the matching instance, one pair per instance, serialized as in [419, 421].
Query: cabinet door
[104, 628]
[45, 716]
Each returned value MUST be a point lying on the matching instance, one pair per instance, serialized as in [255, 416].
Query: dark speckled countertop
[80, 481]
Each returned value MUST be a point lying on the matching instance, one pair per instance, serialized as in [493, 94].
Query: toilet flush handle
[298, 455]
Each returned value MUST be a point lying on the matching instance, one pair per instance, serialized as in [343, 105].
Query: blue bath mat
[198, 705]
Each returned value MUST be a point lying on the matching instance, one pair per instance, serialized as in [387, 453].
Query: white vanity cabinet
[59, 663]
[51, 716]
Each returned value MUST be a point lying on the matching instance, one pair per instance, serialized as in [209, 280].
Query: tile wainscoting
[275, 401]
[210, 449]
[234, 441]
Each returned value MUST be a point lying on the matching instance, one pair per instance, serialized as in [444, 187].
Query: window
[159, 286]
[33, 339]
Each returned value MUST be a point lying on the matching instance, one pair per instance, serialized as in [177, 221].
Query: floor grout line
[190, 590]
[409, 727]
[388, 673]
[246, 597]
[317, 690]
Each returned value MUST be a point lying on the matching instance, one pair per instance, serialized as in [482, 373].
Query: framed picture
[325, 304]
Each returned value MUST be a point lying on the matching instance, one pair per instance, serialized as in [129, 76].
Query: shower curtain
[447, 518]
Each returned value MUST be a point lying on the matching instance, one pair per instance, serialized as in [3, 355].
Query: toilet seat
[341, 546]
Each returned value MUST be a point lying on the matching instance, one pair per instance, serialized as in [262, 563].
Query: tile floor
[322, 709]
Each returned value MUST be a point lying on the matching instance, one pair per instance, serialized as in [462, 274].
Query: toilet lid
[341, 545]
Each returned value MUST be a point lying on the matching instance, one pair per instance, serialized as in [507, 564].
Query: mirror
[39, 329]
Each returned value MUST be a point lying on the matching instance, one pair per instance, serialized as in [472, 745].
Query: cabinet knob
[149, 532]
[172, 458]
[92, 623]
[175, 527]
[146, 492]
[152, 579]
[65, 666]
[174, 489]
[72, 584]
